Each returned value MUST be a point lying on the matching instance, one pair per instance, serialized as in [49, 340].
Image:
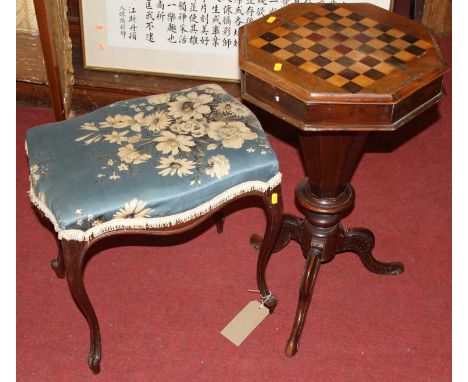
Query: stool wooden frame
[69, 263]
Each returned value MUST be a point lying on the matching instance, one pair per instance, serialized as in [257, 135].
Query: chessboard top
[340, 52]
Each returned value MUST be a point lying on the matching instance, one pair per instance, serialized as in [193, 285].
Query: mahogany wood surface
[71, 257]
[44, 23]
[314, 66]
[368, 63]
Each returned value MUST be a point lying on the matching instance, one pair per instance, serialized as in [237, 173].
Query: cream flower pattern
[196, 128]
[129, 154]
[159, 99]
[186, 135]
[191, 105]
[172, 143]
[133, 210]
[172, 166]
[233, 108]
[116, 137]
[231, 134]
[157, 121]
[218, 166]
[120, 121]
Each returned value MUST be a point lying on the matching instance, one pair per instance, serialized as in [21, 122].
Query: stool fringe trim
[158, 222]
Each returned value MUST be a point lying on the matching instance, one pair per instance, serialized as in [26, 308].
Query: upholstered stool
[155, 165]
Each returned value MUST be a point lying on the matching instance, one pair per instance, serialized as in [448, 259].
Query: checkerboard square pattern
[346, 49]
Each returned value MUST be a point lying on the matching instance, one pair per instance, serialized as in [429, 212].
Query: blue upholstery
[146, 158]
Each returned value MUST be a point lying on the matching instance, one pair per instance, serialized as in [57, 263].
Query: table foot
[309, 276]
[94, 360]
[291, 229]
[361, 241]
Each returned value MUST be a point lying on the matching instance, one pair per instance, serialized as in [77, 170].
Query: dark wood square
[352, 87]
[293, 48]
[323, 73]
[292, 37]
[321, 61]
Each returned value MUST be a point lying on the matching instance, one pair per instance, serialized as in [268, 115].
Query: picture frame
[161, 37]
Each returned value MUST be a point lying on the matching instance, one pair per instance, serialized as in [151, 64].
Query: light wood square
[321, 11]
[323, 21]
[405, 56]
[372, 32]
[334, 67]
[377, 44]
[301, 21]
[281, 42]
[400, 44]
[346, 22]
[332, 55]
[351, 43]
[258, 42]
[359, 67]
[305, 43]
[327, 32]
[349, 32]
[368, 22]
[342, 11]
[385, 68]
[355, 55]
[302, 31]
[280, 31]
[283, 54]
[329, 43]
[307, 55]
[337, 80]
[310, 67]
[380, 55]
[395, 33]
[423, 44]
[363, 81]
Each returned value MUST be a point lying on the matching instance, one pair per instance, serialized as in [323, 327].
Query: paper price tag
[245, 322]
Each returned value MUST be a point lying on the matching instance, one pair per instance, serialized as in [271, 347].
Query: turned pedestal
[336, 73]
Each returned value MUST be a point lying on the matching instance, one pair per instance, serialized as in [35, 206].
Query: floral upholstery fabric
[148, 157]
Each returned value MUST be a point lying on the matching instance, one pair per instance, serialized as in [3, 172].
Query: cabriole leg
[74, 253]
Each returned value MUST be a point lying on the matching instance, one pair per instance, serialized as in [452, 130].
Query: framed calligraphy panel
[193, 38]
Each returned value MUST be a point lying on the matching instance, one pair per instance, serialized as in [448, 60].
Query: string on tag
[263, 298]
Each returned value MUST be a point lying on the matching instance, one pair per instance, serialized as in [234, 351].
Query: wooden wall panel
[437, 15]
[29, 60]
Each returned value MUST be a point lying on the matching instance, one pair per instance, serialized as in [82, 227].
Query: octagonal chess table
[336, 72]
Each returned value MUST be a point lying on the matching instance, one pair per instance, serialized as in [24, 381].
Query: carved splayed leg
[291, 229]
[309, 276]
[361, 241]
[74, 253]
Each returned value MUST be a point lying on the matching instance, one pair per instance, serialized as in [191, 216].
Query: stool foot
[361, 241]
